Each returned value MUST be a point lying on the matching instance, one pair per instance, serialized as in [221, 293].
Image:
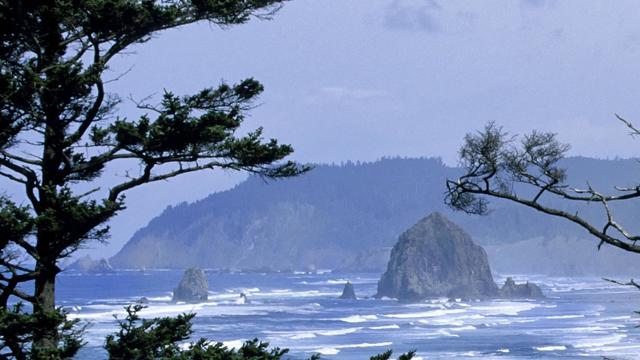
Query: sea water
[580, 318]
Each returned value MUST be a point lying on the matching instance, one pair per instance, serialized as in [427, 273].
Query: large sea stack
[193, 287]
[436, 258]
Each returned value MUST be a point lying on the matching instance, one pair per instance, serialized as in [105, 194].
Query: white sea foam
[339, 331]
[509, 308]
[445, 321]
[617, 349]
[504, 351]
[313, 333]
[463, 328]
[359, 318]
[551, 348]
[340, 281]
[564, 316]
[288, 293]
[327, 351]
[335, 349]
[385, 327]
[233, 344]
[599, 341]
[425, 314]
[470, 354]
[364, 345]
[208, 309]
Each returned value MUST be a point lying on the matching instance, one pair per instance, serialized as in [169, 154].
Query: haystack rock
[348, 293]
[528, 290]
[436, 258]
[193, 287]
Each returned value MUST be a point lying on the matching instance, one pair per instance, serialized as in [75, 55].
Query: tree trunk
[46, 337]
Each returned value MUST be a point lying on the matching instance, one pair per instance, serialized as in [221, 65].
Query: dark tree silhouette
[527, 172]
[59, 129]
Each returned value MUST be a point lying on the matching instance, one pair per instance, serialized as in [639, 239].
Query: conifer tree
[60, 128]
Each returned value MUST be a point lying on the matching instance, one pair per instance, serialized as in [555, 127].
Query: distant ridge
[339, 215]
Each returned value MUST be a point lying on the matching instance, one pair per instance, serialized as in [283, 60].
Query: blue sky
[362, 79]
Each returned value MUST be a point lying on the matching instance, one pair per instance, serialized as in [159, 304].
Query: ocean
[581, 318]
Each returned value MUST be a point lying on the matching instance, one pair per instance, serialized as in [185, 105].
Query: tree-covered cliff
[349, 215]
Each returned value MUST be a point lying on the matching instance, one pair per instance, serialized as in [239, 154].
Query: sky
[362, 79]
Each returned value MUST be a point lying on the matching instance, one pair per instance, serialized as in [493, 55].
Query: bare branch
[629, 283]
[493, 166]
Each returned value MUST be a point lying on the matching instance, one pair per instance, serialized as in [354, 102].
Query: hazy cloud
[420, 15]
[535, 3]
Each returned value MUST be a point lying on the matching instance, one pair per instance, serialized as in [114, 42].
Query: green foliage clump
[18, 328]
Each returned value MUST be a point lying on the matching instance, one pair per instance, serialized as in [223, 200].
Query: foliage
[165, 338]
[18, 328]
[59, 129]
[387, 355]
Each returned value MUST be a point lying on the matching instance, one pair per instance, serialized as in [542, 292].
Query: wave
[565, 316]
[464, 328]
[359, 318]
[509, 308]
[310, 334]
[339, 331]
[599, 342]
[385, 327]
[233, 344]
[356, 281]
[335, 349]
[424, 314]
[550, 348]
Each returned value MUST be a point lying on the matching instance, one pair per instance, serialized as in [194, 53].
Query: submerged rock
[436, 258]
[527, 290]
[243, 299]
[193, 287]
[348, 293]
[88, 265]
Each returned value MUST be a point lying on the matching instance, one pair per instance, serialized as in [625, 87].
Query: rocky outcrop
[436, 258]
[527, 290]
[88, 265]
[348, 293]
[193, 287]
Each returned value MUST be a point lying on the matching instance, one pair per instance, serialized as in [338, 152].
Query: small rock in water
[243, 299]
[528, 290]
[193, 287]
[348, 293]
